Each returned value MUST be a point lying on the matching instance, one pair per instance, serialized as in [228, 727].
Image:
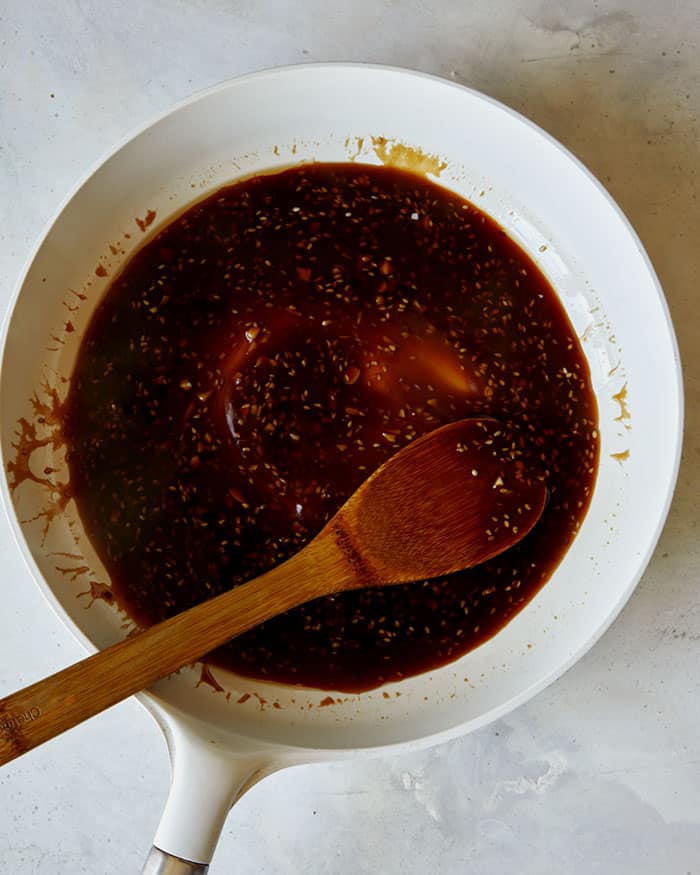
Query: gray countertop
[601, 772]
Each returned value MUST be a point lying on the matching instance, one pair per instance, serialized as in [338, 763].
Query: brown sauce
[266, 351]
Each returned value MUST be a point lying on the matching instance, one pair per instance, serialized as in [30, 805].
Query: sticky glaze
[265, 352]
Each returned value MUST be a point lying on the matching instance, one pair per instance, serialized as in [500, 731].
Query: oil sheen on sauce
[271, 347]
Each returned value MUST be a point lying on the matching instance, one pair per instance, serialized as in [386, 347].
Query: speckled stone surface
[601, 772]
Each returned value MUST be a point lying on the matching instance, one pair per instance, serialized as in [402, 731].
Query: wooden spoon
[453, 499]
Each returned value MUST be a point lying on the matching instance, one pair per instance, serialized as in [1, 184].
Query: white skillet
[546, 200]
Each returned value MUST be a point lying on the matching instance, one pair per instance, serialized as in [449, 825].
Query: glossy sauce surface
[266, 351]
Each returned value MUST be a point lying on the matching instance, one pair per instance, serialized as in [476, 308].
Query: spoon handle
[49, 707]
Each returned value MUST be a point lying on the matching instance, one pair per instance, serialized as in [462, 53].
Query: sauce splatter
[33, 439]
[146, 221]
[43, 430]
[359, 143]
[620, 457]
[206, 677]
[403, 157]
[621, 399]
[97, 591]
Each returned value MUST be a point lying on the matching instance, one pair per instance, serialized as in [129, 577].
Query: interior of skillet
[588, 255]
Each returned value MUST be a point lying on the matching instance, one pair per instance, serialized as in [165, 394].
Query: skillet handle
[209, 774]
[160, 863]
